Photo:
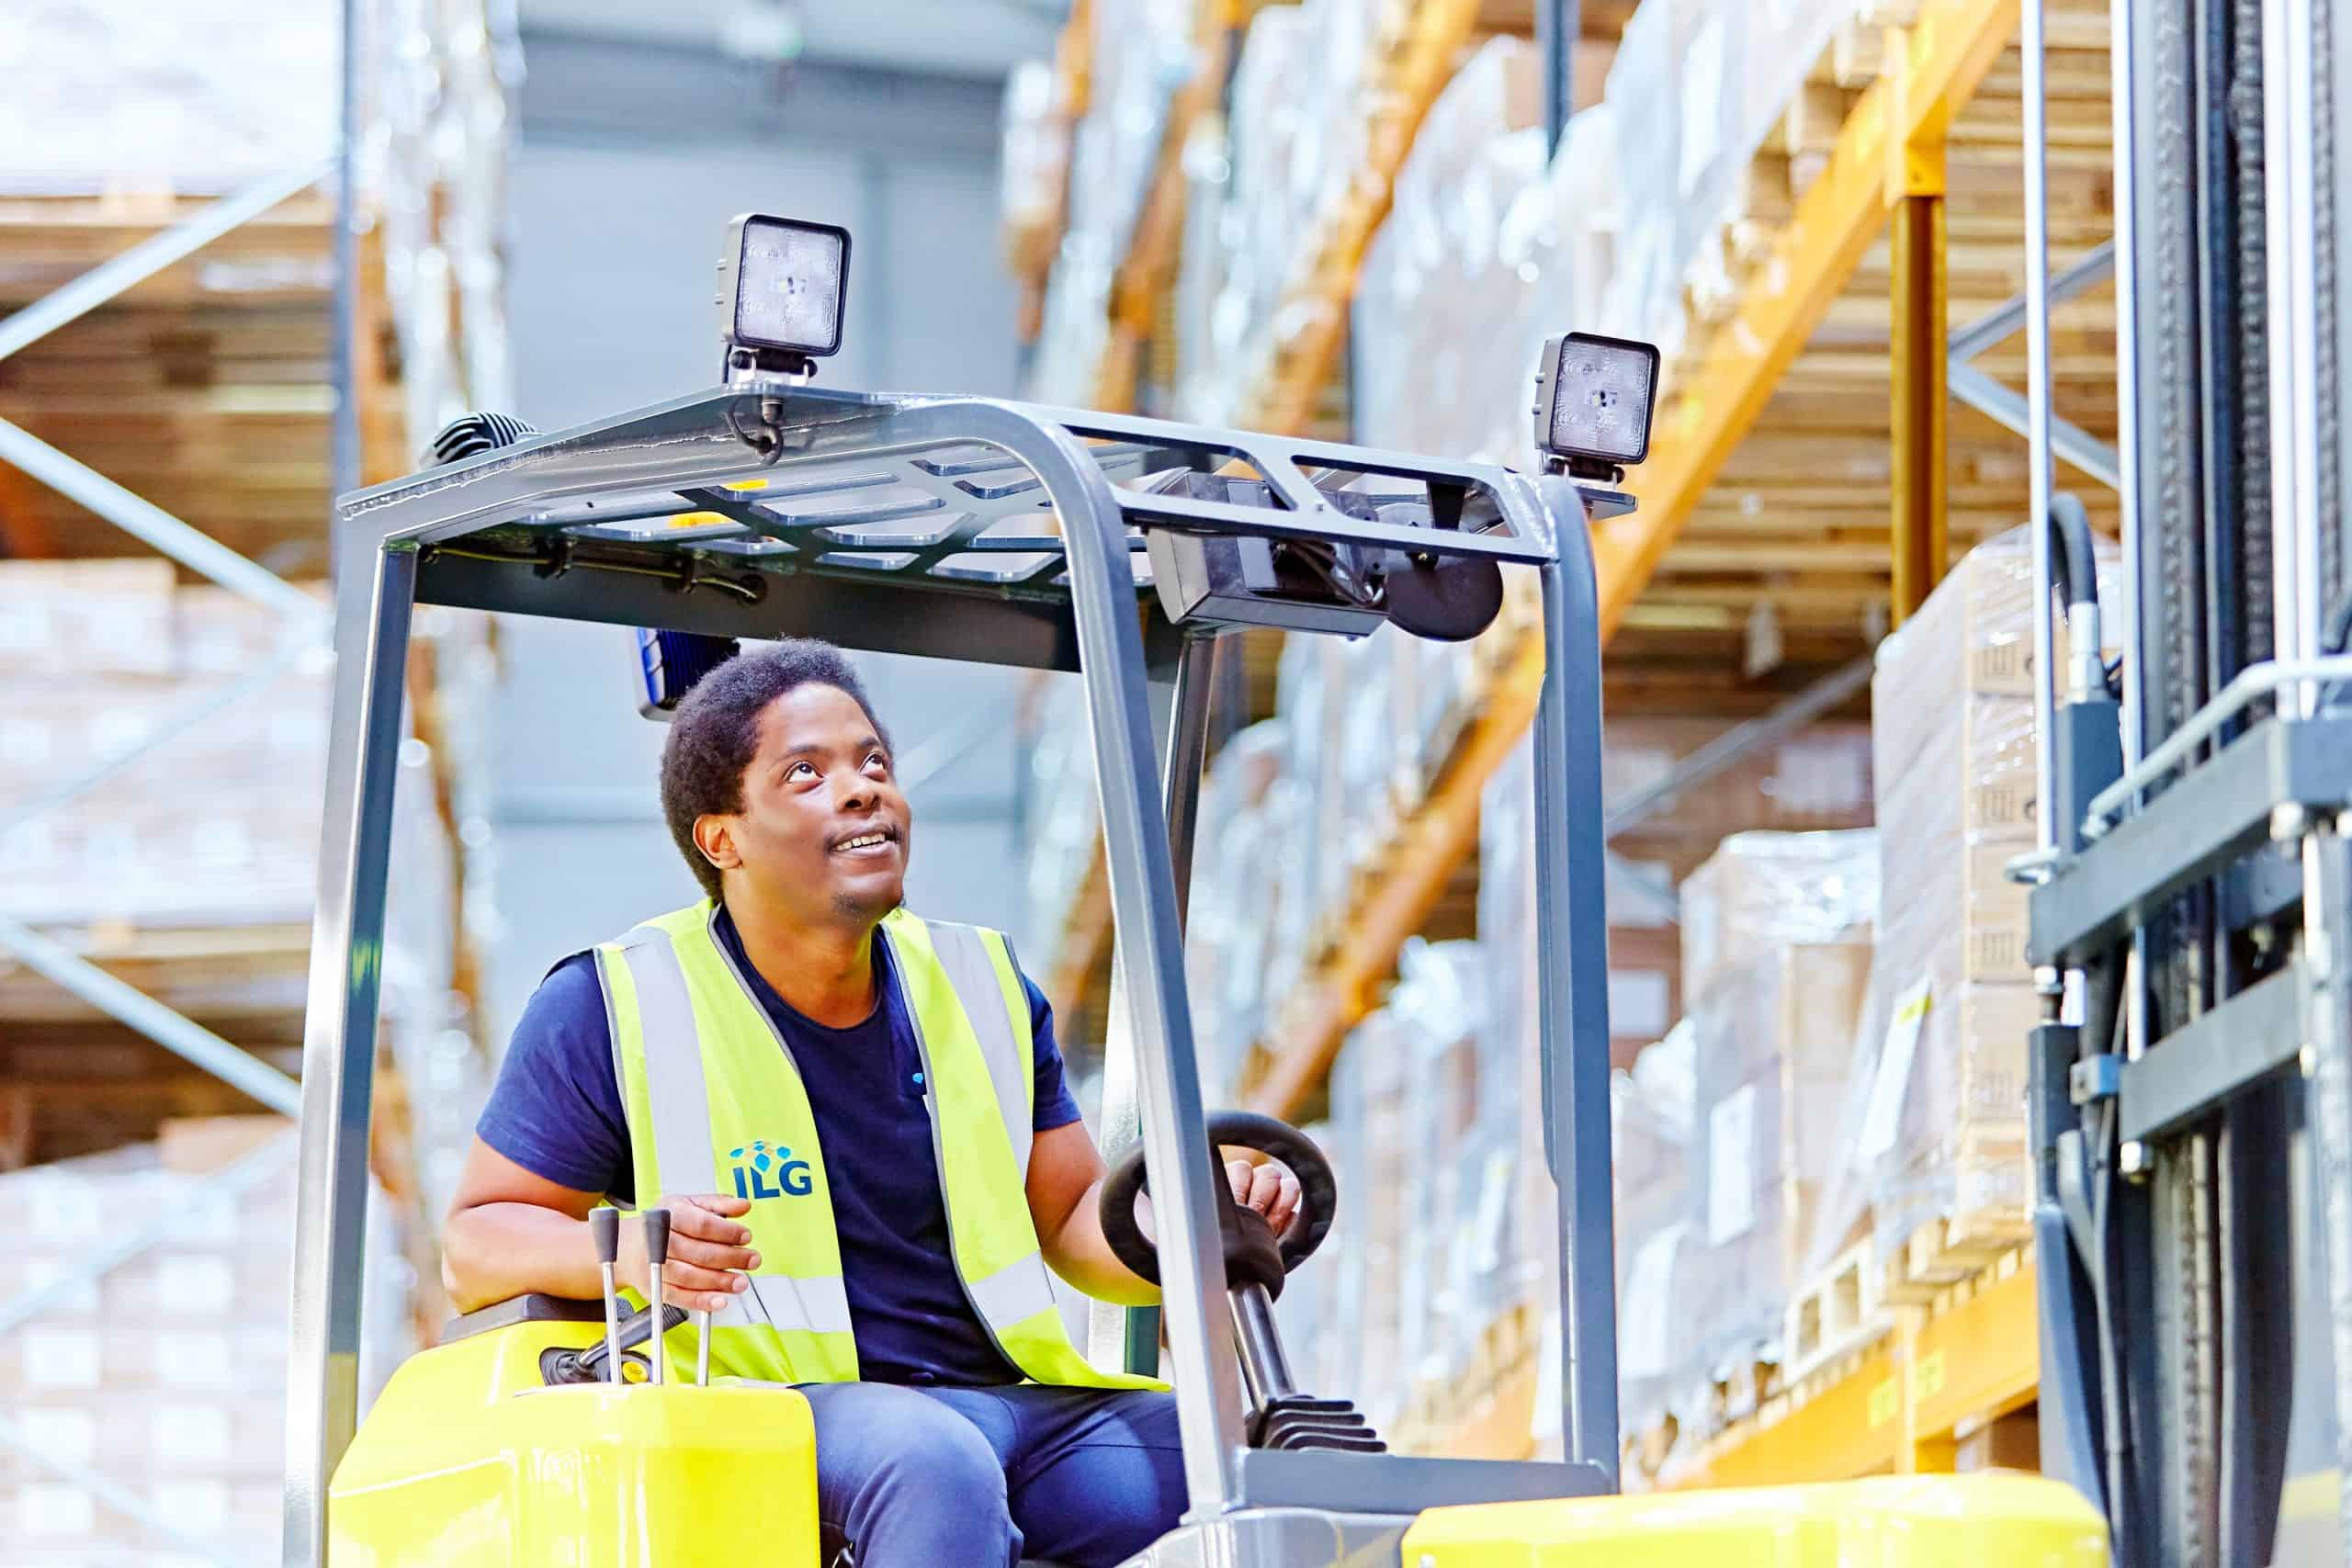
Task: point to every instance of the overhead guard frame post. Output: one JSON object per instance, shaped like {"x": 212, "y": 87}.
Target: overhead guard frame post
{"x": 1572, "y": 931}
{"x": 373, "y": 612}
{"x": 1195, "y": 686}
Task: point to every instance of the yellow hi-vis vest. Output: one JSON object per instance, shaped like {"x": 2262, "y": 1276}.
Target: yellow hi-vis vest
{"x": 715, "y": 1103}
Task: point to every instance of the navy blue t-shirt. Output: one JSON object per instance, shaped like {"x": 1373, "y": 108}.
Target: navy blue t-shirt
{"x": 556, "y": 1111}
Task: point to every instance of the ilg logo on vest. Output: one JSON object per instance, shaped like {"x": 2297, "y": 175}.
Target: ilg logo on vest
{"x": 769, "y": 1173}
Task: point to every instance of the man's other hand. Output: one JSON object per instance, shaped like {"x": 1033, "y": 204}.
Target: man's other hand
{"x": 1269, "y": 1189}
{"x": 708, "y": 1251}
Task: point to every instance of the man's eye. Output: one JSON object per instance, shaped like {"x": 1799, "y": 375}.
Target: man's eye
{"x": 797, "y": 768}
{"x": 879, "y": 760}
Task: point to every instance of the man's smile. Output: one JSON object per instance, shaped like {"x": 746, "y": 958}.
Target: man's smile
{"x": 872, "y": 840}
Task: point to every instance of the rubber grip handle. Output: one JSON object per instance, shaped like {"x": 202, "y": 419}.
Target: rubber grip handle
{"x": 657, "y": 1236}
{"x": 605, "y": 1226}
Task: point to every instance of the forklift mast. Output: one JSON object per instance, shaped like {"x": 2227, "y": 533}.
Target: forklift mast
{"x": 2192, "y": 1112}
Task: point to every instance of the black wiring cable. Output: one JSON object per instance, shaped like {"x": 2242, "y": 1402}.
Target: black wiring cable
{"x": 675, "y": 579}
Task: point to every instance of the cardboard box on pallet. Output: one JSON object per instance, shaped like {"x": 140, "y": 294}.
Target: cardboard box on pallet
{"x": 1761, "y": 892}
{"x": 1935, "y": 1105}
{"x": 1772, "y": 1041}
{"x": 1371, "y": 1122}
{"x": 76, "y": 620}
{"x": 166, "y": 1374}
{"x": 1440, "y": 298}
{"x": 1817, "y": 780}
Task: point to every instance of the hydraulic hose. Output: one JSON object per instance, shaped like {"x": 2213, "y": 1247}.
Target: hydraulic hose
{"x": 2074, "y": 566}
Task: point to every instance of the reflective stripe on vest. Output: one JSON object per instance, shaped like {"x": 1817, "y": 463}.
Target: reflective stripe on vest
{"x": 715, "y": 1103}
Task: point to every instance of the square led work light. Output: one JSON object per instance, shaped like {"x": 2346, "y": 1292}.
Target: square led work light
{"x": 782, "y": 284}
{"x": 1594, "y": 397}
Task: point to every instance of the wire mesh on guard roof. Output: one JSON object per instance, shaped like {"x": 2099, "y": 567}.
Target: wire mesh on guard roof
{"x": 962, "y": 516}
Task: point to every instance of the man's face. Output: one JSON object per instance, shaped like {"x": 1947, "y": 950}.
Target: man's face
{"x": 823, "y": 829}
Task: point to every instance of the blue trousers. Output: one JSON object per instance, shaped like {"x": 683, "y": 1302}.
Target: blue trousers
{"x": 921, "y": 1477}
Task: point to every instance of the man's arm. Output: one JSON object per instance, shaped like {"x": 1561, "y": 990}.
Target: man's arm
{"x": 511, "y": 1233}
{"x": 1066, "y": 1177}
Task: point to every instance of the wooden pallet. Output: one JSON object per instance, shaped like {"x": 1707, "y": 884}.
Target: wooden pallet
{"x": 1944, "y": 1253}
{"x": 1484, "y": 1410}
{"x": 205, "y": 389}
{"x": 1796, "y": 516}
{"x": 1837, "y": 1315}
{"x": 1741, "y": 1390}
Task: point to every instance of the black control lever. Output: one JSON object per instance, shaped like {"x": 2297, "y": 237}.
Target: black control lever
{"x": 1255, "y": 1264}
{"x": 558, "y": 1365}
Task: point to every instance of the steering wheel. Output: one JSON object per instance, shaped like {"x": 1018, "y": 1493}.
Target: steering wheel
{"x": 1253, "y": 1253}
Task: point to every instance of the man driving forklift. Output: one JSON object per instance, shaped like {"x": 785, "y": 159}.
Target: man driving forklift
{"x": 867, "y": 1148}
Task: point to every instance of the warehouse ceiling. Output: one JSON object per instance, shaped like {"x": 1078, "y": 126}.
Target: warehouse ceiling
{"x": 957, "y": 38}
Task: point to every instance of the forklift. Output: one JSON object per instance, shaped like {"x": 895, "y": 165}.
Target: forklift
{"x": 1126, "y": 551}
{"x": 2190, "y": 1090}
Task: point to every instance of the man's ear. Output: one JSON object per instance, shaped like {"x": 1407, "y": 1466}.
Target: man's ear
{"x": 715, "y": 837}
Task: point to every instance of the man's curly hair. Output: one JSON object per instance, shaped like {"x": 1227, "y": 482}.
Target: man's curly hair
{"x": 716, "y": 730}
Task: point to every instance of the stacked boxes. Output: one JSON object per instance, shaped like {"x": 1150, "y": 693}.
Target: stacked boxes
{"x": 1938, "y": 1105}
{"x": 166, "y": 1375}
{"x": 99, "y": 657}
{"x": 1776, "y": 959}
{"x": 1235, "y": 897}
{"x": 1441, "y": 289}
{"x": 1650, "y": 1144}
{"x": 1697, "y": 86}
{"x": 1726, "y": 1133}
{"x": 1034, "y": 174}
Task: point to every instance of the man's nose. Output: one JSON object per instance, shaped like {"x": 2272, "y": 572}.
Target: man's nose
{"x": 856, "y": 794}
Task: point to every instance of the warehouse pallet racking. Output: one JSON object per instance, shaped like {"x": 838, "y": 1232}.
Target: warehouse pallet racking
{"x": 1768, "y": 491}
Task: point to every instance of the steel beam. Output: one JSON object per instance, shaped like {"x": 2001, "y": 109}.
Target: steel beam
{"x": 1948, "y": 48}
{"x": 2067, "y": 440}
{"x": 145, "y": 521}
{"x": 1919, "y": 529}
{"x": 2015, "y": 313}
{"x": 153, "y": 255}
{"x": 2216, "y": 813}
{"x": 2032, "y": 307}
{"x": 227, "y": 1062}
{"x": 1625, "y": 814}
{"x": 1557, "y": 25}
{"x": 2219, "y": 1054}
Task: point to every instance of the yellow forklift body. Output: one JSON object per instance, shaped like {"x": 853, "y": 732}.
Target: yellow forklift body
{"x": 1922, "y": 1521}
{"x": 467, "y": 1460}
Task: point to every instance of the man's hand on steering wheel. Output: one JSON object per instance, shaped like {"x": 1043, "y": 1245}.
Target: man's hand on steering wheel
{"x": 1268, "y": 1188}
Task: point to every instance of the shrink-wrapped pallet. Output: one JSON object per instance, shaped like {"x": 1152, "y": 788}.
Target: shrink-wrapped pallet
{"x": 1698, "y": 87}
{"x": 1935, "y": 1118}
{"x": 1818, "y": 779}
{"x": 1372, "y": 1121}
{"x": 1657, "y": 1253}
{"x": 165, "y": 1373}
{"x": 1142, "y": 53}
{"x": 1761, "y": 892}
{"x": 1237, "y": 901}
{"x": 1067, "y": 826}
{"x": 1438, "y": 306}
{"x": 1033, "y": 166}
{"x": 1244, "y": 229}
{"x": 1772, "y": 1038}
{"x": 1464, "y": 1091}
